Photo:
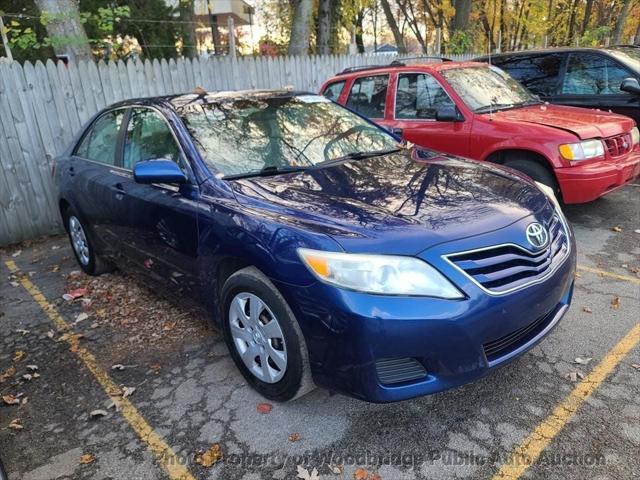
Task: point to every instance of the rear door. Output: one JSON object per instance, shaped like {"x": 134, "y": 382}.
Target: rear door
{"x": 369, "y": 96}
{"x": 93, "y": 171}
{"x": 157, "y": 223}
{"x": 593, "y": 80}
{"x": 418, "y": 97}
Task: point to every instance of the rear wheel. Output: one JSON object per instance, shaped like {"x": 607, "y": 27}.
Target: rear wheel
{"x": 83, "y": 248}
{"x": 537, "y": 172}
{"x": 263, "y": 336}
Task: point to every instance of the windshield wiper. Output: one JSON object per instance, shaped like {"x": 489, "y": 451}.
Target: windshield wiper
{"x": 266, "y": 172}
{"x": 357, "y": 156}
{"x": 506, "y": 106}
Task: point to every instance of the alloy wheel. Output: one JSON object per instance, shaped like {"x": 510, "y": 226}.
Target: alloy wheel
{"x": 79, "y": 240}
{"x": 257, "y": 337}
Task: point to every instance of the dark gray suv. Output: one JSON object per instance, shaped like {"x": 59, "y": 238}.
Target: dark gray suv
{"x": 604, "y": 78}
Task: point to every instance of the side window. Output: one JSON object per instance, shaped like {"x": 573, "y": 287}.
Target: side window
{"x": 368, "y": 96}
{"x": 148, "y": 137}
{"x": 333, "y": 91}
{"x": 419, "y": 96}
{"x": 101, "y": 141}
{"x": 593, "y": 74}
{"x": 538, "y": 73}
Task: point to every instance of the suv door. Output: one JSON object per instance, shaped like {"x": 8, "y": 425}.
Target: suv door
{"x": 93, "y": 174}
{"x": 368, "y": 96}
{"x": 157, "y": 223}
{"x": 593, "y": 80}
{"x": 419, "y": 96}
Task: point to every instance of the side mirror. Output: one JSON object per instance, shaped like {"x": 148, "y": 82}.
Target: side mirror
{"x": 630, "y": 85}
{"x": 158, "y": 171}
{"x": 448, "y": 113}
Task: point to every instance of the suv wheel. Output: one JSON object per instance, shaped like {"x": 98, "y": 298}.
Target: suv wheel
{"x": 263, "y": 336}
{"x": 537, "y": 172}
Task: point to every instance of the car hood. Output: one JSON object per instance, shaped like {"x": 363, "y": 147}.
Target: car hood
{"x": 582, "y": 122}
{"x": 402, "y": 203}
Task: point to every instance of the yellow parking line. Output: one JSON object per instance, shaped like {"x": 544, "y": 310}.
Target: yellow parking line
{"x": 604, "y": 273}
{"x": 154, "y": 442}
{"x": 525, "y": 454}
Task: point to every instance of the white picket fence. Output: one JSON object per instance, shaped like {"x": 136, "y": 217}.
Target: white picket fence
{"x": 43, "y": 106}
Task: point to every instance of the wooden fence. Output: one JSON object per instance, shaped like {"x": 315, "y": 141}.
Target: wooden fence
{"x": 43, "y": 106}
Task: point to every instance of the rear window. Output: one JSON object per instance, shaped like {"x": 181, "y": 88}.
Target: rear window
{"x": 100, "y": 142}
{"x": 333, "y": 90}
{"x": 539, "y": 73}
{"x": 368, "y": 95}
{"x": 593, "y": 74}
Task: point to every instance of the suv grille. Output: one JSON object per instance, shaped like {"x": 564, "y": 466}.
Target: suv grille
{"x": 618, "y": 145}
{"x": 505, "y": 268}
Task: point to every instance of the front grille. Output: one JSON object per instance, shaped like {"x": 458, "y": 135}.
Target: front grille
{"x": 502, "y": 346}
{"x": 398, "y": 370}
{"x": 505, "y": 268}
{"x": 618, "y": 145}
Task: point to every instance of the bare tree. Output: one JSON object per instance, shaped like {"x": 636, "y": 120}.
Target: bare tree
{"x": 622, "y": 18}
{"x": 300, "y": 27}
{"x": 62, "y": 21}
{"x": 323, "y": 27}
{"x": 393, "y": 25}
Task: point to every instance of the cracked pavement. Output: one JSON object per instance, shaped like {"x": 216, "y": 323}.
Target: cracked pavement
{"x": 191, "y": 394}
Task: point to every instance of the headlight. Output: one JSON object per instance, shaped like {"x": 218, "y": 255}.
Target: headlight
{"x": 380, "y": 274}
{"x": 548, "y": 191}
{"x": 582, "y": 150}
{"x": 635, "y": 136}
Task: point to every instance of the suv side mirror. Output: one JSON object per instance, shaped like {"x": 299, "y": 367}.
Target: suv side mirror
{"x": 158, "y": 171}
{"x": 448, "y": 113}
{"x": 630, "y": 85}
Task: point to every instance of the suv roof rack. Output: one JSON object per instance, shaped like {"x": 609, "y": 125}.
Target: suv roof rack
{"x": 395, "y": 63}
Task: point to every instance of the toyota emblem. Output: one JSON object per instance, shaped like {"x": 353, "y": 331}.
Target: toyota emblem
{"x": 537, "y": 235}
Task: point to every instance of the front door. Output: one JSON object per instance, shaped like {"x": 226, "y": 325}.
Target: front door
{"x": 419, "y": 96}
{"x": 156, "y": 223}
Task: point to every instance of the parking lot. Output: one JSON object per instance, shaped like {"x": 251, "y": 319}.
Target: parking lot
{"x": 163, "y": 389}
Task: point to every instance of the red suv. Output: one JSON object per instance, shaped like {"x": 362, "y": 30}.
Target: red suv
{"x": 478, "y": 111}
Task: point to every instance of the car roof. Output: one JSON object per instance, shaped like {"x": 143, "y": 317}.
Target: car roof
{"x": 537, "y": 51}
{"x": 400, "y": 65}
{"x": 203, "y": 97}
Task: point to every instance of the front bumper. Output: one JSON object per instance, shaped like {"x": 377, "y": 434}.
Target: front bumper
{"x": 348, "y": 333}
{"x": 586, "y": 182}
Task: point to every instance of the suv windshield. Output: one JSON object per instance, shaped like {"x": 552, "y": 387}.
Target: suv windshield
{"x": 270, "y": 135}
{"x": 485, "y": 89}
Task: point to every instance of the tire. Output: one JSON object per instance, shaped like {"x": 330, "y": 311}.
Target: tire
{"x": 82, "y": 245}
{"x": 537, "y": 172}
{"x": 279, "y": 347}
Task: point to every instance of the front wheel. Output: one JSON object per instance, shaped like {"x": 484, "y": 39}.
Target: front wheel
{"x": 83, "y": 248}
{"x": 263, "y": 337}
{"x": 537, "y": 172}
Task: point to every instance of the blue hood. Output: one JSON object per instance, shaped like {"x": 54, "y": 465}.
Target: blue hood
{"x": 402, "y": 203}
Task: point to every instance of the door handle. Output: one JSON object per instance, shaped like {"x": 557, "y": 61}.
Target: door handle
{"x": 72, "y": 171}
{"x": 119, "y": 188}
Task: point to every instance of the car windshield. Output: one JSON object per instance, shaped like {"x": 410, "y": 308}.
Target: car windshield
{"x": 266, "y": 135}
{"x": 486, "y": 89}
{"x": 628, "y": 55}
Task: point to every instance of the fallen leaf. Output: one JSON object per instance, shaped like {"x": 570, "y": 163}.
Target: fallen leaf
{"x": 55, "y": 268}
{"x": 587, "y": 310}
{"x": 36, "y": 375}
{"x": 33, "y": 368}
{"x": 294, "y": 437}
{"x": 87, "y": 458}
{"x": 582, "y": 361}
{"x": 14, "y": 284}
{"x": 636, "y": 366}
{"x": 50, "y": 334}
{"x": 209, "y": 457}
{"x": 155, "y": 367}
{"x": 7, "y": 374}
{"x": 574, "y": 376}
{"x": 73, "y": 294}
{"x": 16, "y": 424}
{"x": 336, "y": 469}
{"x": 127, "y": 391}
{"x": 148, "y": 263}
{"x": 264, "y": 408}
{"x": 55, "y": 247}
{"x": 27, "y": 377}
{"x": 616, "y": 229}
{"x": 615, "y": 302}
{"x": 304, "y": 474}
{"x": 10, "y": 399}
{"x": 361, "y": 474}
{"x": 375, "y": 476}
{"x": 25, "y": 400}
{"x": 81, "y": 317}
{"x": 22, "y": 331}
{"x": 97, "y": 413}
{"x": 16, "y": 253}
{"x": 117, "y": 366}
{"x": 19, "y": 355}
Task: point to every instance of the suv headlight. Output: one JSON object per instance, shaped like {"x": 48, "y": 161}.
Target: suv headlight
{"x": 379, "y": 274}
{"x": 582, "y": 150}
{"x": 635, "y": 136}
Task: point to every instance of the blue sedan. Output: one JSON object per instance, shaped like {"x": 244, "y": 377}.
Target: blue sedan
{"x": 328, "y": 253}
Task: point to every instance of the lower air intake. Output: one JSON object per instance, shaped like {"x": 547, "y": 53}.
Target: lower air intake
{"x": 399, "y": 370}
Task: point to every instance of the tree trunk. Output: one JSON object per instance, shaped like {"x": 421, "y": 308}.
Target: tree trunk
{"x": 393, "y": 25}
{"x": 323, "y": 27}
{"x": 300, "y": 27}
{"x": 463, "y": 11}
{"x": 359, "y": 31}
{"x": 587, "y": 16}
{"x": 64, "y": 28}
{"x": 622, "y": 17}
{"x": 188, "y": 29}
{"x": 636, "y": 40}
{"x": 503, "y": 37}
{"x": 572, "y": 22}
